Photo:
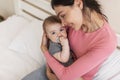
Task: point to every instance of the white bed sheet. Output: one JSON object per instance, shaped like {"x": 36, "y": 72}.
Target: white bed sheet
{"x": 110, "y": 69}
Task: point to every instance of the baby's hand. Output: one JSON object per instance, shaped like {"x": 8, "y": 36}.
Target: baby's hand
{"x": 63, "y": 41}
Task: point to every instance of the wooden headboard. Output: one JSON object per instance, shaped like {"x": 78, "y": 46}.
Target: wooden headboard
{"x": 33, "y": 9}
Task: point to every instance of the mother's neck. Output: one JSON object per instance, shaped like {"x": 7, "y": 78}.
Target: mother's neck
{"x": 92, "y": 21}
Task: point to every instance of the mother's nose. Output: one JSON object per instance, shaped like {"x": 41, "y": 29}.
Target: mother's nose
{"x": 63, "y": 22}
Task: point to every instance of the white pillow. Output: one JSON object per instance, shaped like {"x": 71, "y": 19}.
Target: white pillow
{"x": 10, "y": 28}
{"x": 28, "y": 42}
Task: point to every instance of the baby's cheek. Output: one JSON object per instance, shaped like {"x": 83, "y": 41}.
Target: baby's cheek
{"x": 53, "y": 39}
{"x": 65, "y": 35}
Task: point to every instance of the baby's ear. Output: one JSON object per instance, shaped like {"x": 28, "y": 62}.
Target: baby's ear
{"x": 47, "y": 35}
{"x": 78, "y": 3}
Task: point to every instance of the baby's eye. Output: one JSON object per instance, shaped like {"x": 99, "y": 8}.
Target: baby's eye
{"x": 62, "y": 29}
{"x": 53, "y": 33}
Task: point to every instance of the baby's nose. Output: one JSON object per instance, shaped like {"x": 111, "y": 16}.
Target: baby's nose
{"x": 59, "y": 34}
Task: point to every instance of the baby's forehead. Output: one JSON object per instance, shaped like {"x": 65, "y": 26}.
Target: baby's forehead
{"x": 54, "y": 27}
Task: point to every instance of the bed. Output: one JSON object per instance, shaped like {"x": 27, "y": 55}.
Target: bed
{"x": 20, "y": 38}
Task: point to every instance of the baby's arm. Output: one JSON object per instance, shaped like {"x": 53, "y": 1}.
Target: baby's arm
{"x": 63, "y": 56}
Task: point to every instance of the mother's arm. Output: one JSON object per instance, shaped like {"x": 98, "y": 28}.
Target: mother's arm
{"x": 50, "y": 74}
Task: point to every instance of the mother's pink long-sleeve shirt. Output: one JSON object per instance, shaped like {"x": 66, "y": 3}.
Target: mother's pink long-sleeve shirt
{"x": 91, "y": 49}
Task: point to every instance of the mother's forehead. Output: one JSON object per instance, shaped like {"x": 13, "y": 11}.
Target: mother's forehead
{"x": 59, "y": 9}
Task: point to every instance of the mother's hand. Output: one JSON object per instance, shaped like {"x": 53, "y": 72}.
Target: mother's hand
{"x": 50, "y": 75}
{"x": 44, "y": 43}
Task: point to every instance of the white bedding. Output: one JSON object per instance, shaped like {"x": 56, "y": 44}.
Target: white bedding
{"x": 110, "y": 69}
{"x": 20, "y": 51}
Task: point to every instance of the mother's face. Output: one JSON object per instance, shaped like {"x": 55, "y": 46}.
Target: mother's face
{"x": 70, "y": 15}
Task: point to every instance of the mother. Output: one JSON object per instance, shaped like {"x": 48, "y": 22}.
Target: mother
{"x": 90, "y": 36}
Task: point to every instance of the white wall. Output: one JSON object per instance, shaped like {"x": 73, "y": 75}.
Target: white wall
{"x": 112, "y": 11}
{"x": 6, "y": 7}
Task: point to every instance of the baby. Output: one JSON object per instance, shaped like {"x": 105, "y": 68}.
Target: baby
{"x": 58, "y": 43}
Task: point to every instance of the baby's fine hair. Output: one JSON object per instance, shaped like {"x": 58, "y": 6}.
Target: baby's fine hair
{"x": 50, "y": 20}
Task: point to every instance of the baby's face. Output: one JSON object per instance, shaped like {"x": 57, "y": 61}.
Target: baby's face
{"x": 55, "y": 31}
